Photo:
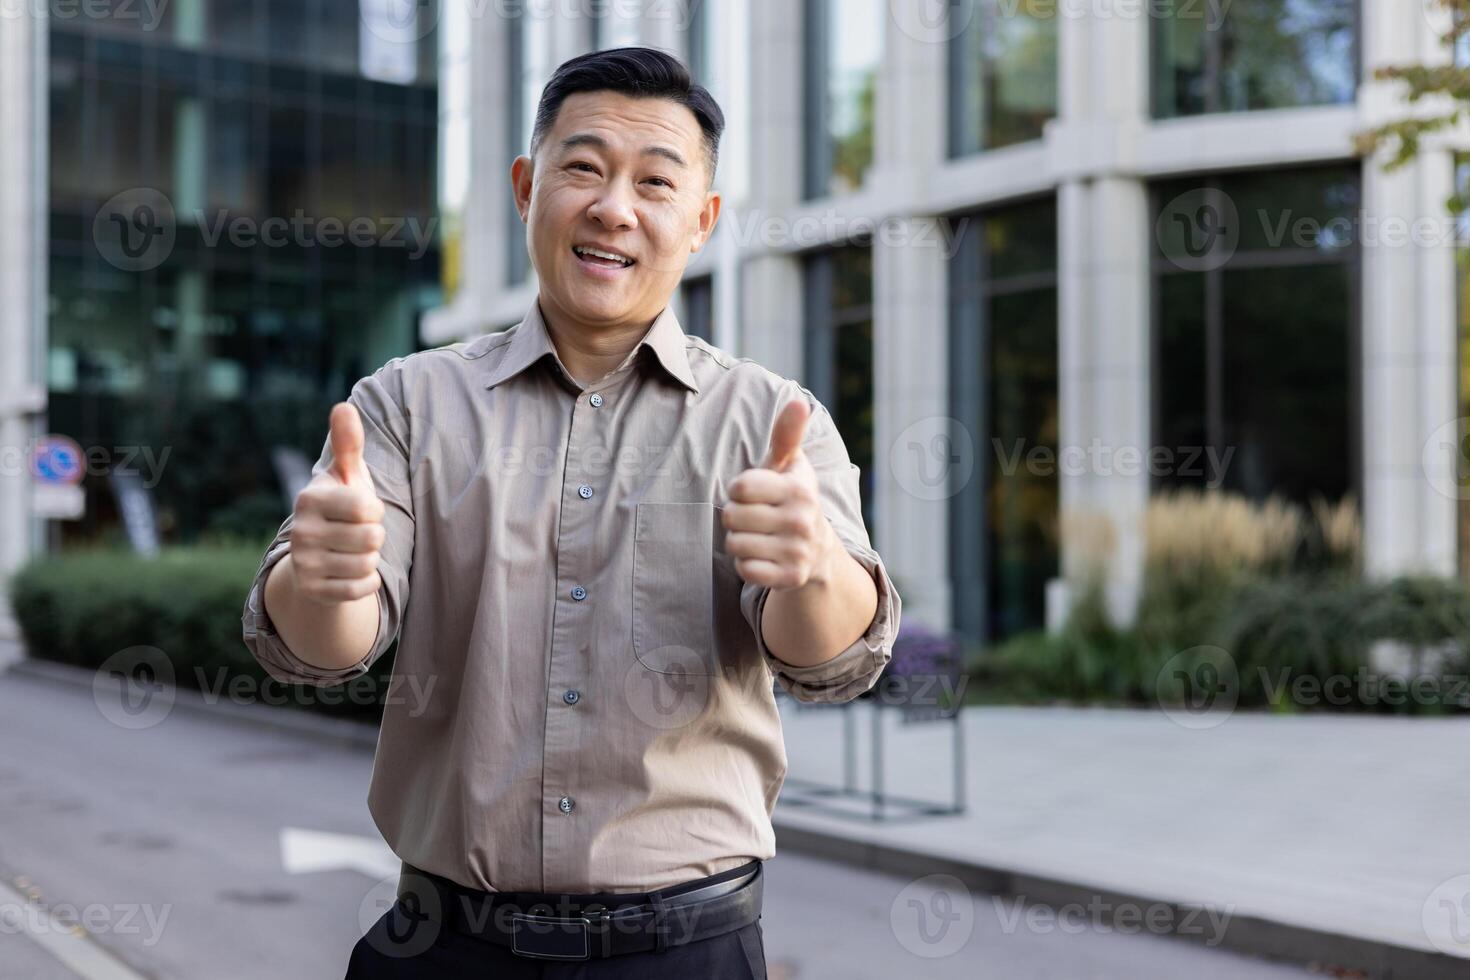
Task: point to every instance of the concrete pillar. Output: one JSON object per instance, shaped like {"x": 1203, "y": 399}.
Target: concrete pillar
{"x": 772, "y": 321}
{"x": 1103, "y": 298}
{"x": 911, "y": 333}
{"x": 22, "y": 283}
{"x": 1410, "y": 412}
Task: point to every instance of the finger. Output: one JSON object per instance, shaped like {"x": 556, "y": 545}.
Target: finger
{"x": 348, "y": 504}
{"x": 343, "y": 589}
{"x": 336, "y": 564}
{"x": 757, "y": 518}
{"x": 787, "y": 434}
{"x": 347, "y": 441}
{"x": 759, "y": 571}
{"x": 760, "y": 486}
{"x": 768, "y": 547}
{"x": 351, "y": 538}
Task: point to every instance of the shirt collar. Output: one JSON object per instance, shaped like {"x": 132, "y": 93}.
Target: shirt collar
{"x": 531, "y": 341}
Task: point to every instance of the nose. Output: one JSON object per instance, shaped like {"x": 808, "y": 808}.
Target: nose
{"x": 613, "y": 208}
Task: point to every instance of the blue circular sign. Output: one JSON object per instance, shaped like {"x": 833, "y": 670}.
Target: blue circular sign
{"x": 57, "y": 460}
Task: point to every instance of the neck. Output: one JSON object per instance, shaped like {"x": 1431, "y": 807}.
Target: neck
{"x": 588, "y": 351}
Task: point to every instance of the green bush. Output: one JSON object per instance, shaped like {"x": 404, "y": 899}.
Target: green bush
{"x": 81, "y": 607}
{"x": 1280, "y": 632}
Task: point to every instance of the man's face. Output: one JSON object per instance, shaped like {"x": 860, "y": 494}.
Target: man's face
{"x": 621, "y": 175}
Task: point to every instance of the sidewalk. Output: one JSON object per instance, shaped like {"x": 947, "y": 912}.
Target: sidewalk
{"x": 1326, "y": 837}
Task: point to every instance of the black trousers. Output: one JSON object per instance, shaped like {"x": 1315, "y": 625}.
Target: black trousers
{"x": 402, "y": 947}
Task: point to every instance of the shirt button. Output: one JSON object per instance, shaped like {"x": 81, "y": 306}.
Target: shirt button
{"x": 566, "y": 804}
{"x": 579, "y": 593}
{"x": 596, "y": 400}
{"x": 571, "y": 697}
{"x": 585, "y": 491}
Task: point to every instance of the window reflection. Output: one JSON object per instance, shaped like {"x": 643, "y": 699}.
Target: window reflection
{"x": 1003, "y": 74}
{"x": 844, "y": 48}
{"x": 698, "y": 319}
{"x": 1003, "y": 385}
{"x": 1255, "y": 352}
{"x": 839, "y": 351}
{"x": 1264, "y": 54}
{"x": 225, "y": 342}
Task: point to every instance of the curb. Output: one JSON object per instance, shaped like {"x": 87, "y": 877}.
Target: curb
{"x": 1247, "y": 935}
{"x": 353, "y": 734}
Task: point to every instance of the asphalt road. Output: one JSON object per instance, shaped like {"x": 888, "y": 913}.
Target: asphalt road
{"x": 166, "y": 841}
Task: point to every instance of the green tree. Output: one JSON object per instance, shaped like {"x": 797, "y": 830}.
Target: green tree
{"x": 1444, "y": 91}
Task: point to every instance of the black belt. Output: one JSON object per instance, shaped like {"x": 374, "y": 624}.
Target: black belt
{"x": 578, "y": 927}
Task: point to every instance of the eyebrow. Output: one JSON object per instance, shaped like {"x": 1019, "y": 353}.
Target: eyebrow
{"x": 592, "y": 139}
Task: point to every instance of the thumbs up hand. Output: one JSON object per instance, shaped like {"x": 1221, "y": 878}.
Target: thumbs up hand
{"x": 774, "y": 522}
{"x": 337, "y": 526}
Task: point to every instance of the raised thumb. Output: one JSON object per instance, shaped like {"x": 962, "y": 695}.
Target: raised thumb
{"x": 347, "y": 440}
{"x": 787, "y": 434}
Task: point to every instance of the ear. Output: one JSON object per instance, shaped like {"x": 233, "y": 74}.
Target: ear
{"x": 522, "y": 172}
{"x": 709, "y": 216}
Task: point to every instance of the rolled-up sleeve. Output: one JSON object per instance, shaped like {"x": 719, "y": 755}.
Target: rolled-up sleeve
{"x": 386, "y": 454}
{"x": 857, "y": 668}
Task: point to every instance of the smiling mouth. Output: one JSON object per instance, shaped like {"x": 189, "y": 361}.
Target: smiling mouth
{"x": 602, "y": 259}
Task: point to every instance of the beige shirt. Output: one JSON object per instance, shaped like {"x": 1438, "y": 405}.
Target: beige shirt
{"x": 581, "y": 699}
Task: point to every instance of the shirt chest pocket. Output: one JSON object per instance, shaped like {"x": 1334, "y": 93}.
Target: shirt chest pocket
{"x": 674, "y": 585}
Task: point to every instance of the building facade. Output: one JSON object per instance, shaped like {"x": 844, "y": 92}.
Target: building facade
{"x": 1041, "y": 261}
{"x": 221, "y": 214}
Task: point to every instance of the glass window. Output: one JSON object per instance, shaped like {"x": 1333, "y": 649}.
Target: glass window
{"x": 844, "y": 48}
{"x": 528, "y": 41}
{"x": 839, "y": 351}
{"x": 225, "y": 342}
{"x": 454, "y": 142}
{"x": 1256, "y": 338}
{"x": 68, "y": 168}
{"x": 1266, "y": 54}
{"x": 701, "y": 43}
{"x": 1002, "y": 74}
{"x": 613, "y": 25}
{"x": 698, "y": 319}
{"x": 1462, "y": 269}
{"x": 1003, "y": 392}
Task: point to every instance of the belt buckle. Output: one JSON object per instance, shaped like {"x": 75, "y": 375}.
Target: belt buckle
{"x": 545, "y": 936}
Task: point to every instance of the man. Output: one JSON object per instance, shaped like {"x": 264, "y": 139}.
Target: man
{"x": 600, "y": 539}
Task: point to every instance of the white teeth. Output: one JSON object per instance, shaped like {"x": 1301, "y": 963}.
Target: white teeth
{"x": 611, "y": 256}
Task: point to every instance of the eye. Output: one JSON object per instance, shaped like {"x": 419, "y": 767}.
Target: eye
{"x": 659, "y": 181}
{"x": 587, "y": 167}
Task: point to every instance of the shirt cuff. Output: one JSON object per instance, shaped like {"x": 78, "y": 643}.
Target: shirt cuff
{"x": 857, "y": 668}
{"x": 272, "y": 653}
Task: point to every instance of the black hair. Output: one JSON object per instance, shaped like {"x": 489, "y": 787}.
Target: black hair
{"x": 637, "y": 71}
